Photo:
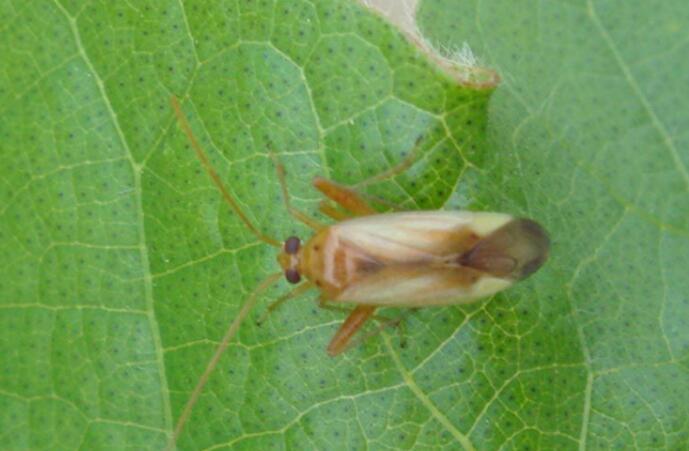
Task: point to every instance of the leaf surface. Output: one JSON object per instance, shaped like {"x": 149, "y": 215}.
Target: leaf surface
{"x": 122, "y": 266}
{"x": 588, "y": 132}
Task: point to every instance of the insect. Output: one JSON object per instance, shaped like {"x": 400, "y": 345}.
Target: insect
{"x": 371, "y": 260}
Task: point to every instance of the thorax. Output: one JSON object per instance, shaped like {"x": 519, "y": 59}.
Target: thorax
{"x": 332, "y": 262}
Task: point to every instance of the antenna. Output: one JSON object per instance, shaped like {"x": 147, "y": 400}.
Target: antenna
{"x": 184, "y": 124}
{"x": 229, "y": 334}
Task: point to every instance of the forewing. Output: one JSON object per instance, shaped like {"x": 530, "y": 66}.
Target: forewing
{"x": 416, "y": 286}
{"x": 436, "y": 258}
{"x": 398, "y": 238}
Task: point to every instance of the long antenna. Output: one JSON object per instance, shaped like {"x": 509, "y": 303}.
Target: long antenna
{"x": 184, "y": 124}
{"x": 229, "y": 334}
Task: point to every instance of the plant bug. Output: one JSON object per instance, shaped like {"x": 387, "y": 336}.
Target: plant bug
{"x": 371, "y": 260}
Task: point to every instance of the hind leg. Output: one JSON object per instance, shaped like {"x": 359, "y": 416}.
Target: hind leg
{"x": 342, "y": 340}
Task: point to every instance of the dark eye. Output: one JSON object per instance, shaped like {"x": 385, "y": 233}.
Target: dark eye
{"x": 292, "y": 245}
{"x": 292, "y": 275}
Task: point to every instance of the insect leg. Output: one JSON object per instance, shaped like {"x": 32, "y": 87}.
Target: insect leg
{"x": 296, "y": 213}
{"x": 229, "y": 334}
{"x": 384, "y": 322}
{"x": 348, "y": 197}
{"x": 297, "y": 291}
{"x": 337, "y": 308}
{"x": 333, "y": 212}
{"x": 390, "y": 173}
{"x": 352, "y": 324}
{"x": 351, "y": 200}
{"x": 390, "y": 322}
{"x": 344, "y": 196}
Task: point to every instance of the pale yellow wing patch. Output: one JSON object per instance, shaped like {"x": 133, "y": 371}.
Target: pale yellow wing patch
{"x": 421, "y": 287}
{"x": 412, "y": 236}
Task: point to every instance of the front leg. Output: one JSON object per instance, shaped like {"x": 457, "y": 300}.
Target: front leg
{"x": 349, "y": 199}
{"x": 344, "y": 196}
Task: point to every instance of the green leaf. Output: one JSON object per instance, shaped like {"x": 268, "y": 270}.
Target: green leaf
{"x": 589, "y": 134}
{"x": 122, "y": 267}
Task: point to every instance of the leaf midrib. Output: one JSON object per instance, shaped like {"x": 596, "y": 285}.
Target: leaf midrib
{"x": 138, "y": 194}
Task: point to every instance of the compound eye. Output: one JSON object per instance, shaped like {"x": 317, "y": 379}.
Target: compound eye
{"x": 292, "y": 245}
{"x": 292, "y": 275}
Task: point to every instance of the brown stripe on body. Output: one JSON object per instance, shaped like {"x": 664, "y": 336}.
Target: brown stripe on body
{"x": 351, "y": 263}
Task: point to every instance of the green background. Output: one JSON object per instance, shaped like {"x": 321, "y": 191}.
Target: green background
{"x": 122, "y": 267}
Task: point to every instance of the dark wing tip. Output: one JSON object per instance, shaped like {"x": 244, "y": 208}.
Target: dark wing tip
{"x": 515, "y": 250}
{"x": 538, "y": 246}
